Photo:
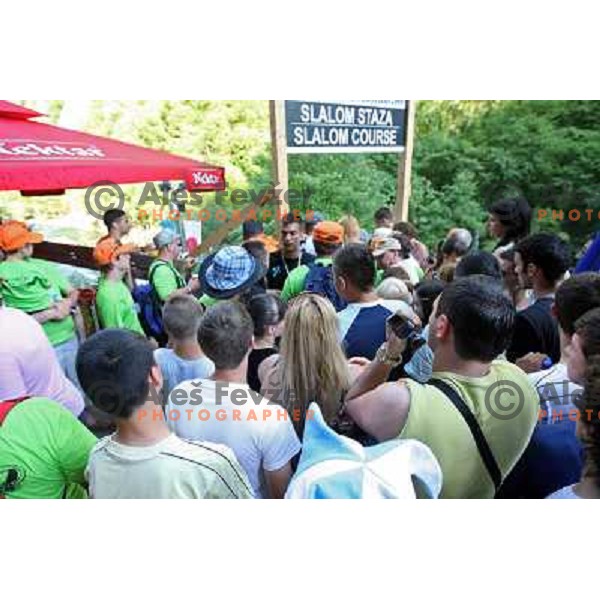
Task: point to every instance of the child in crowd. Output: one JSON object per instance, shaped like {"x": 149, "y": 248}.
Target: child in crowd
{"x": 143, "y": 459}
{"x": 183, "y": 359}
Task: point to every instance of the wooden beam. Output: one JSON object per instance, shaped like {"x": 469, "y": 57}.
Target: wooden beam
{"x": 279, "y": 152}
{"x": 405, "y": 167}
{"x": 82, "y": 256}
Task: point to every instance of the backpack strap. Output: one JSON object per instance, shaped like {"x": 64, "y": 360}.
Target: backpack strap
{"x": 482, "y": 445}
{"x": 163, "y": 263}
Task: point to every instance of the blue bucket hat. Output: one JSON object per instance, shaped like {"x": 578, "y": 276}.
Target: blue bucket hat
{"x": 333, "y": 466}
{"x": 229, "y": 272}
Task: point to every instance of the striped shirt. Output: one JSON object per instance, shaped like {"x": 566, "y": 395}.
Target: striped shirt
{"x": 173, "y": 468}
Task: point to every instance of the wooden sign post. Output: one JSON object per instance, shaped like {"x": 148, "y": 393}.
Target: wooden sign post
{"x": 403, "y": 188}
{"x": 344, "y": 126}
{"x": 279, "y": 151}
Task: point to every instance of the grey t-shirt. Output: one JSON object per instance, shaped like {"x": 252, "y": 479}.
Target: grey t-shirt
{"x": 176, "y": 370}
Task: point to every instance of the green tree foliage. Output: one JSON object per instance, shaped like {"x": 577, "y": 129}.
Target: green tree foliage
{"x": 467, "y": 154}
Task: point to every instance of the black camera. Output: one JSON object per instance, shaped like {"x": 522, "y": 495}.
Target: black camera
{"x": 405, "y": 329}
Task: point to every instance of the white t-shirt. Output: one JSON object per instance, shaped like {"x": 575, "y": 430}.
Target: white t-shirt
{"x": 556, "y": 392}
{"x": 261, "y": 434}
{"x": 171, "y": 469}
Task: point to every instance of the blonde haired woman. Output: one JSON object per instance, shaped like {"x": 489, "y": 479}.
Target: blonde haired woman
{"x": 351, "y": 229}
{"x": 311, "y": 366}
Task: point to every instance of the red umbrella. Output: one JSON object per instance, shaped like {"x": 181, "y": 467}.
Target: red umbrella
{"x": 40, "y": 159}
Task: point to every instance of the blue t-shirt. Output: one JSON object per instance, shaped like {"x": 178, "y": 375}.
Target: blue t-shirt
{"x": 362, "y": 326}
{"x": 176, "y": 370}
{"x": 553, "y": 460}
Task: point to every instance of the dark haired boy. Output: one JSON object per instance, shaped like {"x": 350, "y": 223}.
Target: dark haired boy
{"x": 143, "y": 459}
{"x": 183, "y": 359}
{"x": 554, "y": 457}
{"x": 541, "y": 261}
{"x": 290, "y": 255}
{"x": 117, "y": 224}
{"x": 260, "y": 433}
{"x": 383, "y": 218}
{"x": 363, "y": 321}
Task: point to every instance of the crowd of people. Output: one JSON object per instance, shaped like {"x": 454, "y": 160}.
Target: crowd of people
{"x": 257, "y": 372}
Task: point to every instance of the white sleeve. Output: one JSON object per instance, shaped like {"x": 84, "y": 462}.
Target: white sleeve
{"x": 279, "y": 442}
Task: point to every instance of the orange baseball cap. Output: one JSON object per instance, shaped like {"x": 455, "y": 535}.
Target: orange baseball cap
{"x": 14, "y": 235}
{"x": 328, "y": 232}
{"x": 107, "y": 250}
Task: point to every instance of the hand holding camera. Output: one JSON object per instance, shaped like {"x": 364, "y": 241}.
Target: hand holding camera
{"x": 403, "y": 331}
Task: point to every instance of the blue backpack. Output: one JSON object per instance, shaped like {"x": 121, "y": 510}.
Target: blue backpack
{"x": 320, "y": 281}
{"x": 149, "y": 306}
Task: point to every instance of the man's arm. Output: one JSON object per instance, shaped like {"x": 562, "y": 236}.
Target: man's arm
{"x": 378, "y": 407}
{"x": 278, "y": 481}
{"x": 57, "y": 312}
{"x": 382, "y": 412}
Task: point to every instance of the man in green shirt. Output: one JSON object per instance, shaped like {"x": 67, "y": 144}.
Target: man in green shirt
{"x": 44, "y": 451}
{"x": 37, "y": 288}
{"x": 114, "y": 302}
{"x": 328, "y": 237}
{"x": 164, "y": 277}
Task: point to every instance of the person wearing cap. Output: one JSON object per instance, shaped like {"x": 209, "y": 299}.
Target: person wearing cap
{"x": 118, "y": 226}
{"x": 289, "y": 255}
{"x": 166, "y": 280}
{"x": 114, "y": 302}
{"x": 389, "y": 252}
{"x": 328, "y": 237}
{"x": 229, "y": 273}
{"x": 37, "y": 288}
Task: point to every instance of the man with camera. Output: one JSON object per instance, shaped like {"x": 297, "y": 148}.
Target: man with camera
{"x": 477, "y": 414}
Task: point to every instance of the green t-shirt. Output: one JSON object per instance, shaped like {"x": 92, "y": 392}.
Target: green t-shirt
{"x": 165, "y": 278}
{"x": 434, "y": 420}
{"x": 296, "y": 280}
{"x": 33, "y": 285}
{"x": 44, "y": 451}
{"x": 116, "y": 307}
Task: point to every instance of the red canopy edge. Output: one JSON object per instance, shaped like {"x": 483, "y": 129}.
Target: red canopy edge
{"x": 36, "y": 158}
{"x": 15, "y": 111}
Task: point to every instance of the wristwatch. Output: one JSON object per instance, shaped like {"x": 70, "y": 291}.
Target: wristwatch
{"x": 384, "y": 357}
